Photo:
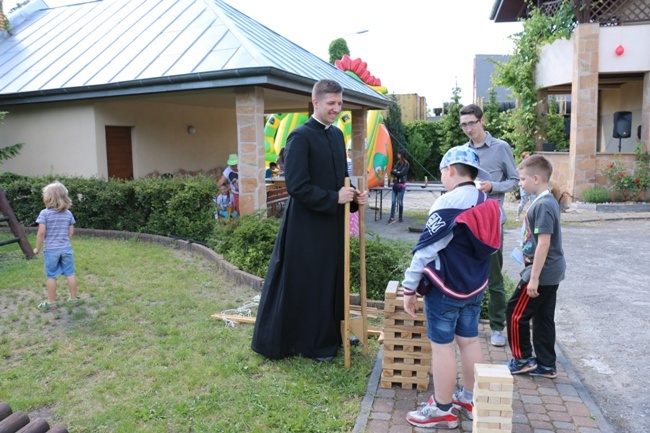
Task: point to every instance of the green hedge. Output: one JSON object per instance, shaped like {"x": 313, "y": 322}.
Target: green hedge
{"x": 180, "y": 207}
{"x": 248, "y": 242}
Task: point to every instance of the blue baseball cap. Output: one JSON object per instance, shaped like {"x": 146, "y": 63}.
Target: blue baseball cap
{"x": 464, "y": 155}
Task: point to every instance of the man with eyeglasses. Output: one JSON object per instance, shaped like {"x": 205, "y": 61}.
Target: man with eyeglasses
{"x": 496, "y": 157}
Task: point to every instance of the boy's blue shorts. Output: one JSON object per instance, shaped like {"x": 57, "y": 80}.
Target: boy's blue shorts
{"x": 448, "y": 317}
{"x": 58, "y": 263}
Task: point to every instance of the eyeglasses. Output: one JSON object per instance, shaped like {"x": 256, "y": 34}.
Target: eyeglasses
{"x": 469, "y": 124}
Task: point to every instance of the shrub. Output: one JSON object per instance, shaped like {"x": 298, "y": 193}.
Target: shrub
{"x": 179, "y": 206}
{"x": 386, "y": 260}
{"x": 595, "y": 194}
{"x": 247, "y": 242}
{"x": 629, "y": 186}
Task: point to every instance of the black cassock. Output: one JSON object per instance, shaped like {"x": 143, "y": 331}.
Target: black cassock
{"x": 301, "y": 306}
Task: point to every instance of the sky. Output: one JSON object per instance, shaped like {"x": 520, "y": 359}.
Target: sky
{"x": 425, "y": 47}
{"x": 413, "y": 46}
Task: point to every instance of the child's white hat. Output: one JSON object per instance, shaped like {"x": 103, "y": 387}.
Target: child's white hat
{"x": 464, "y": 155}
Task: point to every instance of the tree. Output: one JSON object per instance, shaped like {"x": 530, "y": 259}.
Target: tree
{"x": 494, "y": 122}
{"x": 451, "y": 134}
{"x": 555, "y": 126}
{"x": 337, "y": 49}
{"x": 430, "y": 133}
{"x": 418, "y": 151}
{"x": 9, "y": 151}
{"x": 395, "y": 126}
{"x": 518, "y": 74}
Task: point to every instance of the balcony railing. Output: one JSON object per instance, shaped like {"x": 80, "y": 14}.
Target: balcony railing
{"x": 605, "y": 12}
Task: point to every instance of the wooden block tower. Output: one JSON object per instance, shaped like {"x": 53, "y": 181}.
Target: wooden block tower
{"x": 407, "y": 350}
{"x": 493, "y": 386}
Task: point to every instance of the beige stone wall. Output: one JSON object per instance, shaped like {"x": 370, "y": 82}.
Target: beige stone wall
{"x": 562, "y": 172}
{"x": 160, "y": 139}
{"x": 584, "y": 120}
{"x": 250, "y": 136}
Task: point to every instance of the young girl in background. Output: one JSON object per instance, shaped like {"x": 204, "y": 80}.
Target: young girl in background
{"x": 225, "y": 204}
{"x": 55, "y": 228}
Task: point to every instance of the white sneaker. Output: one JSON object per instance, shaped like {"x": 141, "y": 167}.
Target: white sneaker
{"x": 429, "y": 415}
{"x": 497, "y": 339}
{"x": 464, "y": 406}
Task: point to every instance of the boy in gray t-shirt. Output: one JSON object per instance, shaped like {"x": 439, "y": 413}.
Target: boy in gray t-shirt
{"x": 543, "y": 257}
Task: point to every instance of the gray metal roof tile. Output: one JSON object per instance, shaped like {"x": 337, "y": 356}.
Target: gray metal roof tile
{"x": 95, "y": 44}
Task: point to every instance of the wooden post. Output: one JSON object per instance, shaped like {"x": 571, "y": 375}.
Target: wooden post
{"x": 362, "y": 271}
{"x": 346, "y": 281}
{"x": 14, "y": 226}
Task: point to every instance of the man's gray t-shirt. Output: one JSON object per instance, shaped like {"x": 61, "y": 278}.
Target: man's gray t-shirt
{"x": 543, "y": 217}
{"x": 56, "y": 228}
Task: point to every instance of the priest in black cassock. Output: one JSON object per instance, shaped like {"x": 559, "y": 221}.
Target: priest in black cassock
{"x": 301, "y": 307}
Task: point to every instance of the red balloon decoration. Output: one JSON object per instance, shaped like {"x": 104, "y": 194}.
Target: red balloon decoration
{"x": 620, "y": 50}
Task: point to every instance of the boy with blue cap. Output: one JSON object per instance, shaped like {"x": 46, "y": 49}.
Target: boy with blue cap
{"x": 450, "y": 267}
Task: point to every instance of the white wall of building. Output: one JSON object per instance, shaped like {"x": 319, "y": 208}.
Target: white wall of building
{"x": 58, "y": 139}
{"x": 69, "y": 138}
{"x": 556, "y": 59}
{"x": 635, "y": 40}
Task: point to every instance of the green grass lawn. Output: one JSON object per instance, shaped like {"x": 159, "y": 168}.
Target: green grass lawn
{"x": 142, "y": 354}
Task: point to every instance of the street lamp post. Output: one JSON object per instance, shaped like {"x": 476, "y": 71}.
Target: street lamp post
{"x": 360, "y": 32}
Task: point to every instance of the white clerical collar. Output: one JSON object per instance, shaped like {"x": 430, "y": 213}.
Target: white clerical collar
{"x": 326, "y": 126}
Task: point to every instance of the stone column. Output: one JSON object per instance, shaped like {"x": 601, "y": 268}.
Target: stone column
{"x": 249, "y": 106}
{"x": 584, "y": 118}
{"x": 645, "y": 113}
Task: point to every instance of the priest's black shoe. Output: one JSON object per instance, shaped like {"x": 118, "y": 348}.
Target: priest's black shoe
{"x": 323, "y": 358}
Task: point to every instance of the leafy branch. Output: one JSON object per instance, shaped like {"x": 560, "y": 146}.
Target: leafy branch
{"x": 518, "y": 74}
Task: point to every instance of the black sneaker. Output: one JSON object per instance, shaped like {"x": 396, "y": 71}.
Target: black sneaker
{"x": 542, "y": 371}
{"x": 391, "y": 221}
{"x": 519, "y": 366}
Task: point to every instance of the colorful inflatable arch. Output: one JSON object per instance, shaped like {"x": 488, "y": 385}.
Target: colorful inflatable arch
{"x": 379, "y": 151}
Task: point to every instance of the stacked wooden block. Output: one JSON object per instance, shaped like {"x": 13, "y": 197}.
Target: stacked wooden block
{"x": 493, "y": 387}
{"x": 407, "y": 350}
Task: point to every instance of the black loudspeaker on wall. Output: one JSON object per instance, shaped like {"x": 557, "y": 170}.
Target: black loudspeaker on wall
{"x": 622, "y": 124}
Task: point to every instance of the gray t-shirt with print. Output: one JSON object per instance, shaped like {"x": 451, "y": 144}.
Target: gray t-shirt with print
{"x": 543, "y": 217}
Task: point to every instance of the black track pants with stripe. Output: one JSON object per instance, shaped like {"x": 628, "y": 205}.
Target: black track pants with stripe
{"x": 520, "y": 310}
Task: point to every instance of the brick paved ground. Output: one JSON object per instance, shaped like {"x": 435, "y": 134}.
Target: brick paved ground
{"x": 540, "y": 405}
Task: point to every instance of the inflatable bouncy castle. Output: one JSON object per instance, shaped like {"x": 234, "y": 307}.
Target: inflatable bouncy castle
{"x": 379, "y": 151}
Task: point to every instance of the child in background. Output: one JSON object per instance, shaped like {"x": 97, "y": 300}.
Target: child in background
{"x": 543, "y": 258}
{"x": 225, "y": 204}
{"x": 524, "y": 198}
{"x": 272, "y": 171}
{"x": 55, "y": 228}
{"x": 230, "y": 177}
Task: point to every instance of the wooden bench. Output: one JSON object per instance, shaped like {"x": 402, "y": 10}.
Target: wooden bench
{"x": 276, "y": 200}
